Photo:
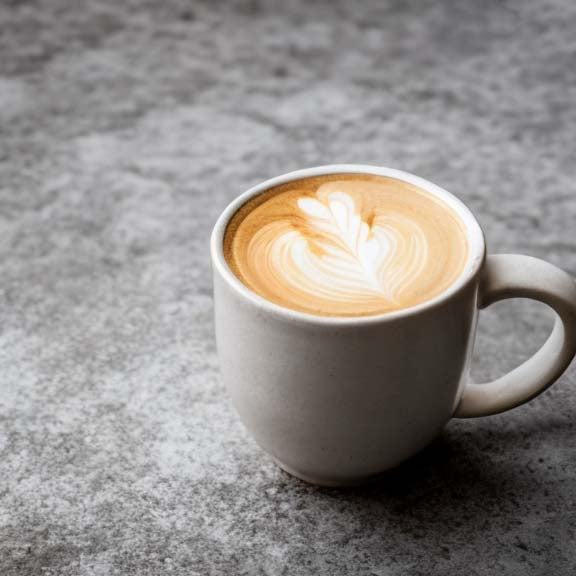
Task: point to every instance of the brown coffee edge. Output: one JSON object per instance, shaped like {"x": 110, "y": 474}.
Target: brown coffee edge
{"x": 310, "y": 185}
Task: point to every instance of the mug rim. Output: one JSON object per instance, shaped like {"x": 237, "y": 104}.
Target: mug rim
{"x": 475, "y": 237}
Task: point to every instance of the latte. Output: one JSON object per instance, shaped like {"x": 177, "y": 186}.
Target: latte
{"x": 346, "y": 245}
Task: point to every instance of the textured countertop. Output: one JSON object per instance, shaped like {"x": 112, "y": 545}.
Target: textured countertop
{"x": 125, "y": 128}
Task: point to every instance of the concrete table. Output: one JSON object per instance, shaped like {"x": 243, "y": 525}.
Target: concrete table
{"x": 125, "y": 127}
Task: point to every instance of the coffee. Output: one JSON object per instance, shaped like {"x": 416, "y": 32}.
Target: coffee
{"x": 346, "y": 245}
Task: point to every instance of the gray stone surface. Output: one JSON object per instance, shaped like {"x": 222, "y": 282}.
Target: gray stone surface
{"x": 125, "y": 127}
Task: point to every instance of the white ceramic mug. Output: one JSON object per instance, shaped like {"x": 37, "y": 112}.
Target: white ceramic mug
{"x": 336, "y": 401}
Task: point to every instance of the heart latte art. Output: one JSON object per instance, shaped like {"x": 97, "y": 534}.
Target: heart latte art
{"x": 346, "y": 245}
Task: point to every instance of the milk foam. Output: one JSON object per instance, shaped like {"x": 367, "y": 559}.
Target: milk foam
{"x": 348, "y": 261}
{"x": 340, "y": 249}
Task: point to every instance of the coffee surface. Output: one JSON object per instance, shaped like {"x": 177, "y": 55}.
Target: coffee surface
{"x": 346, "y": 245}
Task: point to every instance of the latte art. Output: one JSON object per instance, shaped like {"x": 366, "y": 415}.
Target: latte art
{"x": 347, "y": 261}
{"x": 346, "y": 245}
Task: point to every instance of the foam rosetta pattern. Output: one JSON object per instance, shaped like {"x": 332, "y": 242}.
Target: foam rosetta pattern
{"x": 343, "y": 260}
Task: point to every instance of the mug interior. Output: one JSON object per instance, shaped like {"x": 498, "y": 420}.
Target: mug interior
{"x": 475, "y": 237}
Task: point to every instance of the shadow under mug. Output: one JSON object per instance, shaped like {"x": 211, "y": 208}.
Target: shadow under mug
{"x": 337, "y": 401}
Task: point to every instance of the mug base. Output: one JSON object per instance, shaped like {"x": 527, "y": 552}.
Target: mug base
{"x": 327, "y": 482}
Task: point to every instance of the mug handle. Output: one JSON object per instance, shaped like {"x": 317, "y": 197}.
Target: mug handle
{"x": 513, "y": 276}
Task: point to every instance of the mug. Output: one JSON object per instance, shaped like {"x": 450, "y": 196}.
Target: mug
{"x": 338, "y": 400}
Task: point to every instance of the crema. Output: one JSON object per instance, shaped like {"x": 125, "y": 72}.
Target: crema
{"x": 346, "y": 245}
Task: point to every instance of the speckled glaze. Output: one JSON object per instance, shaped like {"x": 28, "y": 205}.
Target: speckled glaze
{"x": 337, "y": 401}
